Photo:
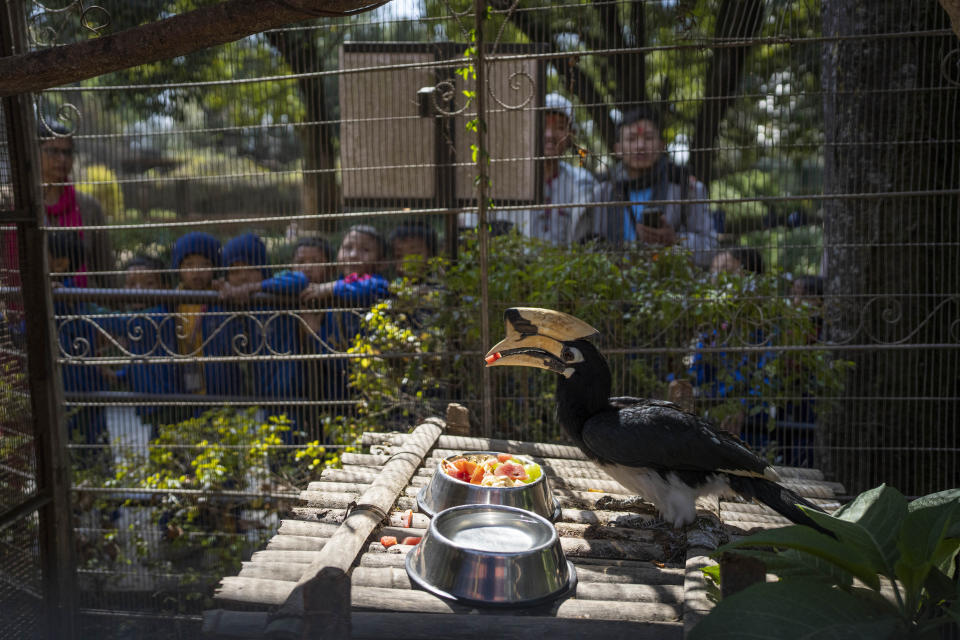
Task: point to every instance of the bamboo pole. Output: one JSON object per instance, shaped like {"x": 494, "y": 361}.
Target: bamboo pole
{"x": 696, "y": 604}
{"x": 588, "y": 569}
{"x": 463, "y": 443}
{"x": 303, "y": 528}
{"x": 421, "y": 602}
{"x": 254, "y": 591}
{"x": 380, "y": 625}
{"x": 319, "y": 514}
{"x": 275, "y": 570}
{"x": 296, "y": 543}
{"x": 587, "y": 588}
{"x": 279, "y": 555}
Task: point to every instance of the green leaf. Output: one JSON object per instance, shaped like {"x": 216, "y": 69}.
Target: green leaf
{"x": 881, "y": 512}
{"x": 939, "y": 586}
{"x": 860, "y": 538}
{"x": 796, "y": 609}
{"x": 944, "y": 556}
{"x": 954, "y": 611}
{"x": 912, "y": 575}
{"x": 797, "y": 564}
{"x": 712, "y": 572}
{"x": 936, "y": 499}
{"x": 803, "y": 538}
{"x": 922, "y": 533}
{"x": 923, "y": 529}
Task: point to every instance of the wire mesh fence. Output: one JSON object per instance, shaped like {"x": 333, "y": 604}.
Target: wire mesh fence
{"x": 261, "y": 249}
{"x": 21, "y": 574}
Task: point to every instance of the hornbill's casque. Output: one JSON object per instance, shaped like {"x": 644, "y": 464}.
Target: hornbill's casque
{"x": 653, "y": 448}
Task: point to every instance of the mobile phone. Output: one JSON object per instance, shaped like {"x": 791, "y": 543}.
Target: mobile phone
{"x": 651, "y": 218}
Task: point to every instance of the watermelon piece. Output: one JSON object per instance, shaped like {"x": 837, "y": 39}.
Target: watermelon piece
{"x": 388, "y": 541}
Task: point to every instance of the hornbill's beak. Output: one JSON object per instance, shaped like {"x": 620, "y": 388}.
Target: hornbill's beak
{"x": 535, "y": 338}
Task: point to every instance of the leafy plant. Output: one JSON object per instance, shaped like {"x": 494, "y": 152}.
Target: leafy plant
{"x": 234, "y": 462}
{"x": 890, "y": 572}
{"x": 426, "y": 340}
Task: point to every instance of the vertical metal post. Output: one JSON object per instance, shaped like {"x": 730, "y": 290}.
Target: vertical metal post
{"x": 446, "y": 154}
{"x": 480, "y": 11}
{"x": 46, "y": 390}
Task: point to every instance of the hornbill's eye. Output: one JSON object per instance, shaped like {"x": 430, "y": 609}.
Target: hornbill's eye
{"x": 571, "y": 355}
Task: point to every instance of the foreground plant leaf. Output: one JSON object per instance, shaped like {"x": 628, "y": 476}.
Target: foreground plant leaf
{"x": 880, "y": 511}
{"x": 800, "y": 609}
{"x": 805, "y": 539}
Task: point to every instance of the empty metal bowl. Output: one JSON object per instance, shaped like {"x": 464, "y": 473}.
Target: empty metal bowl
{"x": 491, "y": 555}
{"x": 444, "y": 491}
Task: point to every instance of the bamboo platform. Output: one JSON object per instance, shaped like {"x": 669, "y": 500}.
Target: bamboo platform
{"x": 325, "y": 574}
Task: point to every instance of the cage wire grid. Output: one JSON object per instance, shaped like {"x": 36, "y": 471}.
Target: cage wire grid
{"x": 226, "y": 232}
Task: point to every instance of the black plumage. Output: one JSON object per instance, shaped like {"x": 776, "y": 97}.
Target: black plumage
{"x": 665, "y": 454}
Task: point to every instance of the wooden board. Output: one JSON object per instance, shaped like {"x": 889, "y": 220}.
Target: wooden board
{"x": 637, "y": 576}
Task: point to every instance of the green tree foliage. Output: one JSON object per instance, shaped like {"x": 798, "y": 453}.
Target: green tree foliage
{"x": 889, "y": 572}
{"x": 100, "y": 183}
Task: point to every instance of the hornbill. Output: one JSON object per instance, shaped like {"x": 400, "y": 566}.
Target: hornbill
{"x": 653, "y": 448}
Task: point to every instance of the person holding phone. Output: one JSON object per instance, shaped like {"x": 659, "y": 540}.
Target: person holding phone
{"x": 654, "y": 186}
{"x": 567, "y": 186}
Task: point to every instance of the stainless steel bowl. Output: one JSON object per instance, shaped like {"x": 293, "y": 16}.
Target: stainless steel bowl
{"x": 491, "y": 555}
{"x": 444, "y": 491}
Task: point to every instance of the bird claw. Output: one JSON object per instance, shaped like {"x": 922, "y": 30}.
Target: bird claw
{"x": 635, "y": 504}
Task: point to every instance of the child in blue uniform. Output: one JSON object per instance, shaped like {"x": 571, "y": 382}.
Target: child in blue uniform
{"x": 147, "y": 331}
{"x": 79, "y": 338}
{"x": 195, "y": 256}
{"x": 270, "y": 333}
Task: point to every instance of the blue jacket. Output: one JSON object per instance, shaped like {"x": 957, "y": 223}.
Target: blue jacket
{"x": 335, "y": 334}
{"x": 279, "y": 333}
{"x": 706, "y": 369}
{"x": 78, "y": 338}
{"x": 148, "y": 333}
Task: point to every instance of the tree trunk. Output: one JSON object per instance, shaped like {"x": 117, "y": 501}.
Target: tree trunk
{"x": 736, "y": 20}
{"x": 175, "y": 36}
{"x": 319, "y": 192}
{"x": 629, "y": 69}
{"x": 891, "y": 261}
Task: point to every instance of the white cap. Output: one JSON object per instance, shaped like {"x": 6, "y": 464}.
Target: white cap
{"x": 557, "y": 103}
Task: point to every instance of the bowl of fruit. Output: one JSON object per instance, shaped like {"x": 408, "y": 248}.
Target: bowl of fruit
{"x": 491, "y": 555}
{"x": 488, "y": 477}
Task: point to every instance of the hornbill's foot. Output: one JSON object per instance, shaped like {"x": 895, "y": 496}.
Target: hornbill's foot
{"x": 635, "y": 504}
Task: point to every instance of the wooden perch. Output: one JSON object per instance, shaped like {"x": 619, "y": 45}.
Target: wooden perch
{"x": 161, "y": 40}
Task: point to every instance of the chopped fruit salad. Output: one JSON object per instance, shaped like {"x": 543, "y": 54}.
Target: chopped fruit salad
{"x": 492, "y": 470}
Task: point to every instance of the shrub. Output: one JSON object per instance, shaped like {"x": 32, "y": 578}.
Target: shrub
{"x": 422, "y": 348}
{"x": 229, "y": 456}
{"x": 100, "y": 182}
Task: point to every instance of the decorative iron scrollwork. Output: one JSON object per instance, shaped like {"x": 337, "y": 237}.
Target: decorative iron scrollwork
{"x": 67, "y": 115}
{"x": 48, "y": 24}
{"x": 950, "y": 67}
{"x": 142, "y": 336}
{"x": 516, "y": 85}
